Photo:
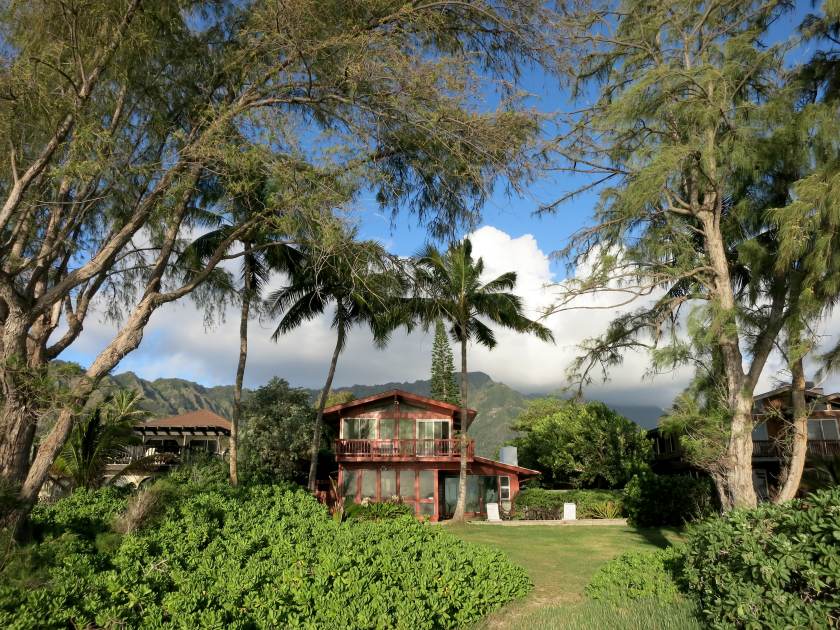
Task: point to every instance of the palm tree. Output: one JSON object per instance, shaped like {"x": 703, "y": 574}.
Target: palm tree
{"x": 261, "y": 254}
{"x": 98, "y": 438}
{"x": 450, "y": 288}
{"x": 358, "y": 279}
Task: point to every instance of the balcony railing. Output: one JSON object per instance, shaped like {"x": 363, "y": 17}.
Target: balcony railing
{"x": 816, "y": 448}
{"x": 154, "y": 459}
{"x": 449, "y": 448}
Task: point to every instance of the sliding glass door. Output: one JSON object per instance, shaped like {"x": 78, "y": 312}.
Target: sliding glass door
{"x": 429, "y": 432}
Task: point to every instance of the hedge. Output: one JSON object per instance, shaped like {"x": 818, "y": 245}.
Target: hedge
{"x": 652, "y": 500}
{"x": 775, "y": 566}
{"x": 253, "y": 557}
{"x": 542, "y": 504}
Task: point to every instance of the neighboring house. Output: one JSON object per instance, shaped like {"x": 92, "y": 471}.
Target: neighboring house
{"x": 400, "y": 445}
{"x": 771, "y": 410}
{"x": 168, "y": 441}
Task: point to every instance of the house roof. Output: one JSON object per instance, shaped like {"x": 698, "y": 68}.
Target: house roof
{"x": 190, "y": 419}
{"x": 810, "y": 390}
{"x": 519, "y": 470}
{"x": 404, "y": 395}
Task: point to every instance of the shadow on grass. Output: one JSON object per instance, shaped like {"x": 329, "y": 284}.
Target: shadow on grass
{"x": 654, "y": 536}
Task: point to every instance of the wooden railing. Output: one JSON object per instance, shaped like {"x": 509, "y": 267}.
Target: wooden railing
{"x": 816, "y": 448}
{"x": 402, "y": 448}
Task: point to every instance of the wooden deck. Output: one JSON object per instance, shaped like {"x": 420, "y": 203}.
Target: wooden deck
{"x": 396, "y": 450}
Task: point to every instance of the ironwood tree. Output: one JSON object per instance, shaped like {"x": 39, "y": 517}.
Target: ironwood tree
{"x": 117, "y": 118}
{"x": 680, "y": 143}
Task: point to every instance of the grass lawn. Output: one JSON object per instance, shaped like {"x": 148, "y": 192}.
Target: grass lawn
{"x": 561, "y": 560}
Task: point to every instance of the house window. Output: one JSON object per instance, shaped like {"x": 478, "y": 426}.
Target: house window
{"x": 387, "y": 483}
{"x": 350, "y": 484}
{"x": 359, "y": 428}
{"x": 407, "y": 485}
{"x": 368, "y": 484}
{"x": 386, "y": 428}
{"x": 504, "y": 488}
{"x": 823, "y": 429}
{"x": 760, "y": 432}
{"x": 427, "y": 484}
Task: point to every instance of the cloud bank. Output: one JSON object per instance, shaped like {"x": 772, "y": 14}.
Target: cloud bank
{"x": 177, "y": 344}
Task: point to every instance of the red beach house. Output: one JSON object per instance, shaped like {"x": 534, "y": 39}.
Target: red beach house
{"x": 399, "y": 444}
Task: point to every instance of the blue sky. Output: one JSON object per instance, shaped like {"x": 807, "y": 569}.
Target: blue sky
{"x": 510, "y": 236}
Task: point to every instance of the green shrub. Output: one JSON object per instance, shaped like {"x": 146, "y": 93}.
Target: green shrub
{"x": 261, "y": 557}
{"x": 639, "y": 575}
{"x": 541, "y": 504}
{"x": 652, "y": 500}
{"x": 775, "y": 566}
{"x": 84, "y": 512}
{"x": 377, "y": 511}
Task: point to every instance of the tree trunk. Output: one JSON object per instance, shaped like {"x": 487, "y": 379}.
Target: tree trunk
{"x": 16, "y": 444}
{"x": 240, "y": 370}
{"x": 319, "y": 417}
{"x": 722, "y": 492}
{"x": 791, "y": 474}
{"x": 738, "y": 475}
{"x": 461, "y": 504}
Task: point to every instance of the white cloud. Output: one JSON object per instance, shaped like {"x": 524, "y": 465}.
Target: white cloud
{"x": 177, "y": 344}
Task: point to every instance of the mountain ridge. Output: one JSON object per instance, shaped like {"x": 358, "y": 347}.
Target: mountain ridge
{"x": 497, "y": 403}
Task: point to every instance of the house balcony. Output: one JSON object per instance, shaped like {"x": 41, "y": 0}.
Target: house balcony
{"x": 769, "y": 449}
{"x": 395, "y": 450}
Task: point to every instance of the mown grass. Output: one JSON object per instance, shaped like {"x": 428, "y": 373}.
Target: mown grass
{"x": 561, "y": 561}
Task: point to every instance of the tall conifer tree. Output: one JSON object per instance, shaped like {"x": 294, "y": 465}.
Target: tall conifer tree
{"x": 444, "y": 386}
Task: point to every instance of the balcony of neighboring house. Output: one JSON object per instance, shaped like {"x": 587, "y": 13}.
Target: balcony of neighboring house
{"x": 402, "y": 449}
{"x": 168, "y": 442}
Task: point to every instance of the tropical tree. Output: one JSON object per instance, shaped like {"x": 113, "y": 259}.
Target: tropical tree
{"x": 444, "y": 386}
{"x": 450, "y": 287}
{"x": 121, "y": 114}
{"x": 263, "y": 251}
{"x": 582, "y": 444}
{"x": 277, "y": 422}
{"x": 99, "y": 438}
{"x": 358, "y": 280}
{"x": 709, "y": 197}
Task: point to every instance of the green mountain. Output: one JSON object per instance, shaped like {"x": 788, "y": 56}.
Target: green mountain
{"x": 497, "y": 404}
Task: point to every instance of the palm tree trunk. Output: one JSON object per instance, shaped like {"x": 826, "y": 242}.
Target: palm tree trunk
{"x": 461, "y": 505}
{"x": 240, "y": 370}
{"x": 319, "y": 417}
{"x": 792, "y": 469}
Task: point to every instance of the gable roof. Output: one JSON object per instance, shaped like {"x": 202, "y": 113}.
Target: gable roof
{"x": 190, "y": 419}
{"x": 401, "y": 394}
{"x": 520, "y": 470}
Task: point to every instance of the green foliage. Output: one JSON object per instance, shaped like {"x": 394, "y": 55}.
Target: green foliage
{"x": 580, "y": 444}
{"x": 85, "y": 512}
{"x": 542, "y": 504}
{"x": 277, "y": 423}
{"x": 257, "y": 556}
{"x": 652, "y": 500}
{"x": 443, "y": 384}
{"x": 639, "y": 575}
{"x": 101, "y": 435}
{"x": 377, "y": 511}
{"x": 775, "y": 566}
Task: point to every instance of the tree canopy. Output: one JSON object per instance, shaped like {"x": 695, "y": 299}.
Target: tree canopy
{"x": 580, "y": 444}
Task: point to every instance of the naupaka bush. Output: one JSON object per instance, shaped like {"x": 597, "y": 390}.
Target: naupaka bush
{"x": 263, "y": 557}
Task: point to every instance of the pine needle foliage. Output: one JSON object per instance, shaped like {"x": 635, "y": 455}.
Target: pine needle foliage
{"x": 444, "y": 386}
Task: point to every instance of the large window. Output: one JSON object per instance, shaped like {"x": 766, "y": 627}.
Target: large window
{"x": 823, "y": 429}
{"x": 359, "y": 428}
{"x": 387, "y": 484}
{"x": 481, "y": 490}
{"x": 428, "y": 432}
{"x": 407, "y": 491}
{"x": 350, "y": 485}
{"x": 368, "y": 484}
